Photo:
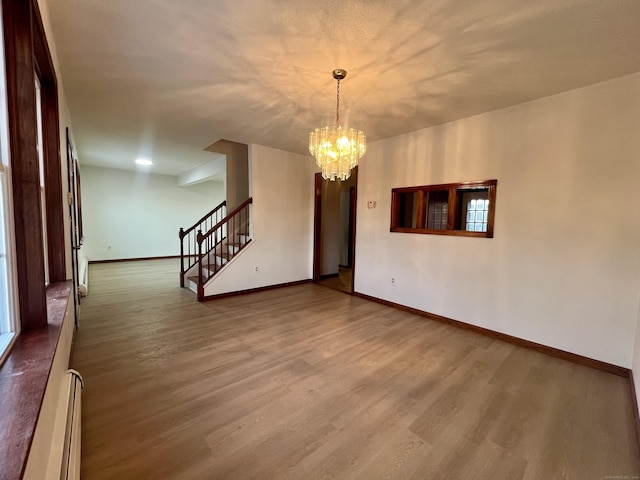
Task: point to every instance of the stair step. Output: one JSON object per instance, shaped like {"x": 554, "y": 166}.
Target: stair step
{"x": 217, "y": 259}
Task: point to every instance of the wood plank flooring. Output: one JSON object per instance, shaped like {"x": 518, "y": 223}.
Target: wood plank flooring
{"x": 309, "y": 383}
{"x": 342, "y": 282}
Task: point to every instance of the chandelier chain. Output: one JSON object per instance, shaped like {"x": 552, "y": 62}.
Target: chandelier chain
{"x": 338, "y": 104}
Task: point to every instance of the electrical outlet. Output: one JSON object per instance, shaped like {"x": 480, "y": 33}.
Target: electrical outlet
{"x": 255, "y": 269}
{"x": 393, "y": 281}
{"x": 371, "y": 204}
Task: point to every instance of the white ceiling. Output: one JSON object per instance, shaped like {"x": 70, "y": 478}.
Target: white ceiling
{"x": 166, "y": 78}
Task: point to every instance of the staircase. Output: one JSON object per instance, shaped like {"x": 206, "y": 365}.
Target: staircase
{"x": 210, "y": 244}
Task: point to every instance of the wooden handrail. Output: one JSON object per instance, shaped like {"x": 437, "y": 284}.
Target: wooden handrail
{"x": 235, "y": 211}
{"x": 185, "y": 232}
{"x": 206, "y": 252}
{"x": 188, "y": 236}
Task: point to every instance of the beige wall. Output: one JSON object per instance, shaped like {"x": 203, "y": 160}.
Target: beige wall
{"x": 564, "y": 266}
{"x": 237, "y": 170}
{"x": 281, "y": 185}
{"x": 130, "y": 214}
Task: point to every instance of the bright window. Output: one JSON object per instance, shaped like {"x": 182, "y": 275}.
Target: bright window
{"x": 43, "y": 197}
{"x": 475, "y": 211}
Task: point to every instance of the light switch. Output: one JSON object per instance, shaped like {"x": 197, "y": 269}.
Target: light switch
{"x": 371, "y": 204}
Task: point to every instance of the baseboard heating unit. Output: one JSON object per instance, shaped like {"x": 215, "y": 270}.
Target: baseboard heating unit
{"x": 70, "y": 452}
{"x": 55, "y": 451}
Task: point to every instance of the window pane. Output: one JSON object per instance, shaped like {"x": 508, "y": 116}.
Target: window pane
{"x": 474, "y": 210}
{"x": 5, "y": 324}
{"x": 43, "y": 197}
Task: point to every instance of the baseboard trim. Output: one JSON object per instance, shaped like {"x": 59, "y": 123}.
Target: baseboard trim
{"x": 636, "y": 407}
{"x": 538, "y": 347}
{"x": 114, "y": 260}
{"x": 254, "y": 290}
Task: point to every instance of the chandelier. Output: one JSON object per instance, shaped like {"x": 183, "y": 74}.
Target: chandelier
{"x": 337, "y": 149}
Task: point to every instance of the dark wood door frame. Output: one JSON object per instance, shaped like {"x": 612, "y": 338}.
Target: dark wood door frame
{"x": 353, "y": 205}
{"x": 74, "y": 229}
{"x": 317, "y": 226}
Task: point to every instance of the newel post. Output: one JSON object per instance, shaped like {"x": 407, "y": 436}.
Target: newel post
{"x": 181, "y": 235}
{"x": 200, "y": 283}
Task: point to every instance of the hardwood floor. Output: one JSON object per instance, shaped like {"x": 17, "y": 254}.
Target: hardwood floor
{"x": 308, "y": 383}
{"x": 342, "y": 282}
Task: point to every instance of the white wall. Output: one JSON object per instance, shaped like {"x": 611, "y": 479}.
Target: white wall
{"x": 282, "y": 185}
{"x": 564, "y": 266}
{"x": 139, "y": 214}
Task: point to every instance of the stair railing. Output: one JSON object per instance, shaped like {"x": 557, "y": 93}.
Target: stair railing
{"x": 234, "y": 228}
{"x": 188, "y": 238}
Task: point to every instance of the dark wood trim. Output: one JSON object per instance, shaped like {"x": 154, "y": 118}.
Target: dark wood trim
{"x": 51, "y": 150}
{"x": 114, "y": 260}
{"x": 23, "y": 381}
{"x": 452, "y": 201}
{"x": 635, "y": 406}
{"x": 352, "y": 228}
{"x": 538, "y": 347}
{"x": 73, "y": 224}
{"x": 452, "y": 233}
{"x": 317, "y": 226}
{"x": 20, "y": 74}
{"x": 41, "y": 52}
{"x": 55, "y": 207}
{"x": 448, "y": 186}
{"x": 491, "y": 214}
{"x": 329, "y": 275}
{"x": 53, "y": 184}
{"x": 354, "y": 212}
{"x": 254, "y": 290}
{"x": 453, "y": 219}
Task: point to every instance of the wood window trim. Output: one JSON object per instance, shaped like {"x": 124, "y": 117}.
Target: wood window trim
{"x": 27, "y": 54}
{"x": 454, "y": 191}
{"x": 25, "y": 369}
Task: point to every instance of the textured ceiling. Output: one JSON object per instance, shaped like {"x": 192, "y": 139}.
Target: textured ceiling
{"x": 165, "y": 79}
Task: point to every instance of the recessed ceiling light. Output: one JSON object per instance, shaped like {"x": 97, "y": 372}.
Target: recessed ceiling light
{"x": 144, "y": 161}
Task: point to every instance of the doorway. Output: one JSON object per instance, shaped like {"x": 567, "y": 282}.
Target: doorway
{"x": 335, "y": 206}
